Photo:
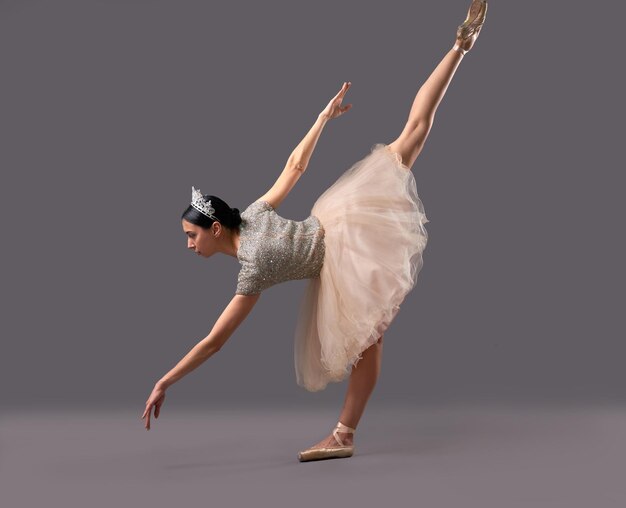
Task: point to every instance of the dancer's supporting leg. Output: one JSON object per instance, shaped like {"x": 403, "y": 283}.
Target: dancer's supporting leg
{"x": 411, "y": 141}
{"x": 362, "y": 381}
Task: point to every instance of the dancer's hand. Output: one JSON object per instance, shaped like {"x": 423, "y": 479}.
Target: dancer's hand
{"x": 156, "y": 399}
{"x": 334, "y": 108}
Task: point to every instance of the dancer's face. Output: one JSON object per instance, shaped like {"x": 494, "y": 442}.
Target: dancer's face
{"x": 202, "y": 241}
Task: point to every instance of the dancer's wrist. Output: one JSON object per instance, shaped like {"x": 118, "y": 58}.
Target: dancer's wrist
{"x": 323, "y": 118}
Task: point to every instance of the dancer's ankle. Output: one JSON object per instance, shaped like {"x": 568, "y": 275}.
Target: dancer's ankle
{"x": 459, "y": 49}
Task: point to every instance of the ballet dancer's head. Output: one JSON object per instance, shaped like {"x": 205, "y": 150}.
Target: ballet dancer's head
{"x": 207, "y": 235}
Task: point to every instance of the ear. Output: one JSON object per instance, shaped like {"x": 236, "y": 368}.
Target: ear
{"x": 217, "y": 229}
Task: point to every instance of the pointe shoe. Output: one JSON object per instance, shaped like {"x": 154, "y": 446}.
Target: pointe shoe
{"x": 335, "y": 452}
{"x": 467, "y": 32}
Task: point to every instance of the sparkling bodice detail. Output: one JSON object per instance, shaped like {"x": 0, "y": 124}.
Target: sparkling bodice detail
{"x": 274, "y": 249}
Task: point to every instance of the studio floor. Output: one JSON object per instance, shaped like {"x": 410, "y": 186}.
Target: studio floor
{"x": 457, "y": 456}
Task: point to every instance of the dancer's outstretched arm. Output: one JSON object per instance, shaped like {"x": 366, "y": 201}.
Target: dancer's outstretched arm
{"x": 299, "y": 158}
{"x": 232, "y": 316}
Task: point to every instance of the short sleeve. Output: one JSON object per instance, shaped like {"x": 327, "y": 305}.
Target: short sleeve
{"x": 252, "y": 278}
{"x": 264, "y": 205}
{"x": 260, "y": 206}
{"x": 249, "y": 281}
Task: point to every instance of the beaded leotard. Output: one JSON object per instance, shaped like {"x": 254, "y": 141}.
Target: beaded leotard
{"x": 274, "y": 249}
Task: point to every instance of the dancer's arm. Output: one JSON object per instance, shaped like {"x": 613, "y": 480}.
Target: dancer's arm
{"x": 236, "y": 311}
{"x": 233, "y": 315}
{"x": 302, "y": 153}
{"x": 299, "y": 158}
{"x": 295, "y": 167}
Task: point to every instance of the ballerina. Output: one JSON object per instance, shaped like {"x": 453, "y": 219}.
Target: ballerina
{"x": 361, "y": 250}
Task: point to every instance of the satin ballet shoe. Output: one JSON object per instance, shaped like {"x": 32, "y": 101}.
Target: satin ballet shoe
{"x": 335, "y": 452}
{"x": 468, "y": 31}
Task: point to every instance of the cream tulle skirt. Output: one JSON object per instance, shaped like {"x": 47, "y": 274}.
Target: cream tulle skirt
{"x": 374, "y": 233}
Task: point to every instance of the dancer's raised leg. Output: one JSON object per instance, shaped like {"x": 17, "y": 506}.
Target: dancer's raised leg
{"x": 412, "y": 138}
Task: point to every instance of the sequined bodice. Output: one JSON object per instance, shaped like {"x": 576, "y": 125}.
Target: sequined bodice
{"x": 273, "y": 249}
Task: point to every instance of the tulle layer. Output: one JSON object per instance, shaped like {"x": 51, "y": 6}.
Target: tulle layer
{"x": 375, "y": 236}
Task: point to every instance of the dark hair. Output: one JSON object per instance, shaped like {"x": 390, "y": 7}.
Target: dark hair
{"x": 227, "y": 216}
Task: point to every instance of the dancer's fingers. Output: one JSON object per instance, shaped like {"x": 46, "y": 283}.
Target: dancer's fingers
{"x": 344, "y": 109}
{"x": 146, "y": 413}
{"x": 343, "y": 90}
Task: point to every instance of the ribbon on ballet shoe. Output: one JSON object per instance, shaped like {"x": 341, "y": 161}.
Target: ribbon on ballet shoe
{"x": 459, "y": 49}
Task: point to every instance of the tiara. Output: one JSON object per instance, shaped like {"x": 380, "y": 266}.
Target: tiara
{"x": 202, "y": 205}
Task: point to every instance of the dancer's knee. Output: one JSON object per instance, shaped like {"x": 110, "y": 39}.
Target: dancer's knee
{"x": 411, "y": 141}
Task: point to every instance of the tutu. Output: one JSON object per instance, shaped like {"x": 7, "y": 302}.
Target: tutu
{"x": 374, "y": 229}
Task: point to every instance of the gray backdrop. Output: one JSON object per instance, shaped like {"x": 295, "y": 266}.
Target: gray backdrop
{"x": 110, "y": 111}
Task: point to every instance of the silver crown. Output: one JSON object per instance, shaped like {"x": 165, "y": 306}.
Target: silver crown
{"x": 201, "y": 204}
